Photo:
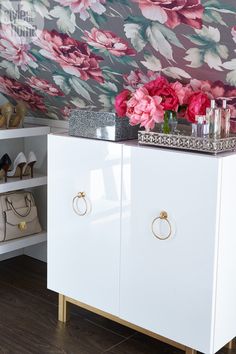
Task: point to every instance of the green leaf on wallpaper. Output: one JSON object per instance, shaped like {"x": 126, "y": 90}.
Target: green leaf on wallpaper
{"x": 86, "y": 86}
{"x": 11, "y": 69}
{"x": 107, "y": 101}
{"x": 97, "y": 19}
{"x": 76, "y": 85}
{"x": 109, "y": 76}
{"x": 66, "y": 19}
{"x": 135, "y": 33}
{"x": 151, "y": 62}
{"x": 62, "y": 82}
{"x": 195, "y": 56}
{"x": 196, "y": 39}
{"x": 220, "y": 6}
{"x": 222, "y": 51}
{"x": 111, "y": 70}
{"x": 78, "y": 102}
{"x": 38, "y": 56}
{"x": 231, "y": 76}
{"x": 169, "y": 35}
{"x": 123, "y": 2}
{"x": 109, "y": 87}
{"x": 213, "y": 16}
{"x": 159, "y": 42}
{"x": 137, "y": 19}
{"x": 176, "y": 73}
{"x": 125, "y": 60}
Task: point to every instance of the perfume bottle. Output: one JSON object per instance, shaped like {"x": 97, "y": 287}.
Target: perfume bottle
{"x": 225, "y": 120}
{"x": 213, "y": 117}
{"x": 202, "y": 130}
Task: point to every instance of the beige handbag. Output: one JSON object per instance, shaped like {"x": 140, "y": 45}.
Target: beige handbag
{"x": 18, "y": 215}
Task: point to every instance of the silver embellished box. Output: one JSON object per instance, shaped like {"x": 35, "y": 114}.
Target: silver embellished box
{"x": 100, "y": 125}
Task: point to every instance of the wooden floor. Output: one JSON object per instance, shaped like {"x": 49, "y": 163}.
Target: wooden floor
{"x": 28, "y": 320}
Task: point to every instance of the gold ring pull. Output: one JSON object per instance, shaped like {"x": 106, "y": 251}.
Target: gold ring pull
{"x": 80, "y": 195}
{"x": 163, "y": 216}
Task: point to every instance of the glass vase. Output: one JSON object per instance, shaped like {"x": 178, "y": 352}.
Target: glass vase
{"x": 170, "y": 122}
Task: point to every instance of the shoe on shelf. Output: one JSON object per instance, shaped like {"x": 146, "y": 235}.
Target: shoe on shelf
{"x": 5, "y": 163}
{"x": 29, "y": 167}
{"x": 18, "y": 166}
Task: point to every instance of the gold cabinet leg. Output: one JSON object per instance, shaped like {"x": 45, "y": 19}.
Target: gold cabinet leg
{"x": 190, "y": 351}
{"x": 63, "y": 309}
{"x": 230, "y": 345}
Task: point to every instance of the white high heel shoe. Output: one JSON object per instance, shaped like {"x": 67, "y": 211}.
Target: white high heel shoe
{"x": 29, "y": 167}
{"x": 18, "y": 166}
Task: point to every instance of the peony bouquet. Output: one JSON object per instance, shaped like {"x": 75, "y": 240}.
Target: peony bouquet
{"x": 150, "y": 103}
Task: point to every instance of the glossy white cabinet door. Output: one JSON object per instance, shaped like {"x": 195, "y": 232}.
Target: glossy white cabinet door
{"x": 168, "y": 286}
{"x": 84, "y": 251}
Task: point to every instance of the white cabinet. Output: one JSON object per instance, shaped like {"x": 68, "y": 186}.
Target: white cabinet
{"x": 181, "y": 288}
{"x": 84, "y": 251}
{"x": 167, "y": 286}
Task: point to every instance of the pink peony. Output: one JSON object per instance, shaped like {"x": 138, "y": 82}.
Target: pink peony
{"x": 109, "y": 41}
{"x": 173, "y": 12}
{"x": 161, "y": 87}
{"x": 44, "y": 86}
{"x": 155, "y": 85}
{"x": 137, "y": 78}
{"x": 144, "y": 110}
{"x": 121, "y": 103}
{"x": 23, "y": 92}
{"x": 73, "y": 56}
{"x": 197, "y": 105}
{"x": 83, "y": 6}
{"x": 13, "y": 48}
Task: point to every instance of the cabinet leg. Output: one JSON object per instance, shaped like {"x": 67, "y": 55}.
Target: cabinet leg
{"x": 230, "y": 345}
{"x": 63, "y": 309}
{"x": 190, "y": 351}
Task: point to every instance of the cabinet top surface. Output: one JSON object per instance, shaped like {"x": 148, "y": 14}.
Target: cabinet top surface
{"x": 134, "y": 143}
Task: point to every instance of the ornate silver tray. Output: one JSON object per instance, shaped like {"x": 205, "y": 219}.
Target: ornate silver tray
{"x": 187, "y": 142}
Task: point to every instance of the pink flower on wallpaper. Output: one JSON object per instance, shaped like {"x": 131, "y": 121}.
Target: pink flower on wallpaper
{"x": 144, "y": 110}
{"x": 82, "y": 7}
{"x": 73, "y": 56}
{"x": 173, "y": 12}
{"x": 213, "y": 90}
{"x": 44, "y": 86}
{"x": 183, "y": 92}
{"x": 65, "y": 111}
{"x": 137, "y": 78}
{"x": 233, "y": 31}
{"x": 13, "y": 48}
{"x": 109, "y": 41}
{"x": 23, "y": 92}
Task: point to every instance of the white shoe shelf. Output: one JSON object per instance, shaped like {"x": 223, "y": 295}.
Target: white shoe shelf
{"x": 28, "y": 131}
{"x": 12, "y": 184}
{"x": 23, "y": 242}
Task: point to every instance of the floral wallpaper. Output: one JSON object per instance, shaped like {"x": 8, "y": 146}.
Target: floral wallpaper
{"x": 81, "y": 53}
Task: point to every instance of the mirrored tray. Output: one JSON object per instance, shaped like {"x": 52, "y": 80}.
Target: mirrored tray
{"x": 184, "y": 141}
